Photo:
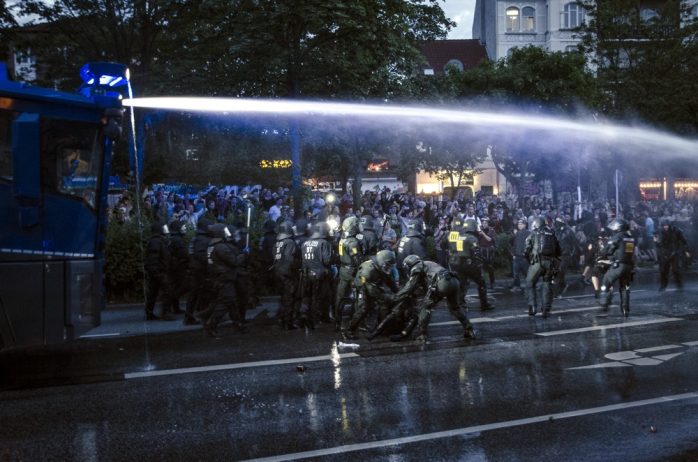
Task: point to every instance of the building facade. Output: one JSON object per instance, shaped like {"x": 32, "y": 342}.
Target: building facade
{"x": 503, "y": 25}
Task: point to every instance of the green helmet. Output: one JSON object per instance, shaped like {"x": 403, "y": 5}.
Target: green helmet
{"x": 350, "y": 226}
{"x": 367, "y": 222}
{"x": 470, "y": 225}
{"x": 386, "y": 260}
{"x": 410, "y": 261}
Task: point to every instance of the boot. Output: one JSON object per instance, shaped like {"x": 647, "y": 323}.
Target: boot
{"x": 531, "y": 310}
{"x": 379, "y": 328}
{"x": 210, "y": 330}
{"x": 469, "y": 332}
{"x": 190, "y": 321}
{"x": 625, "y": 302}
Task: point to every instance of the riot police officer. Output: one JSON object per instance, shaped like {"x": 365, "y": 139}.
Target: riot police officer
{"x": 432, "y": 283}
{"x": 671, "y": 248}
{"x": 464, "y": 260}
{"x": 412, "y": 243}
{"x": 287, "y": 264}
{"x": 179, "y": 265}
{"x": 368, "y": 236}
{"x": 317, "y": 258}
{"x": 350, "y": 257}
{"x": 200, "y": 293}
{"x": 224, "y": 261}
{"x": 542, "y": 251}
{"x": 568, "y": 250}
{"x": 620, "y": 251}
{"x": 375, "y": 289}
{"x": 157, "y": 260}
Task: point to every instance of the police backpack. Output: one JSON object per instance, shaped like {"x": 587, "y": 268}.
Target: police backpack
{"x": 546, "y": 243}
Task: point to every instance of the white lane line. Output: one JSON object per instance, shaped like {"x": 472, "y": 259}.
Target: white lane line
{"x": 113, "y": 334}
{"x": 690, "y": 343}
{"x": 223, "y": 367}
{"x": 514, "y": 316}
{"x": 475, "y": 429}
{"x": 607, "y": 326}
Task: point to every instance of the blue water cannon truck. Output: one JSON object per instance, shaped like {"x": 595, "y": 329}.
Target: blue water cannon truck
{"x": 55, "y": 158}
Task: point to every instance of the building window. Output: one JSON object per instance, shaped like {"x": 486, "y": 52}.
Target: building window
{"x": 528, "y": 15}
{"x": 572, "y": 16}
{"x": 513, "y": 19}
{"x": 453, "y": 63}
{"x": 571, "y": 49}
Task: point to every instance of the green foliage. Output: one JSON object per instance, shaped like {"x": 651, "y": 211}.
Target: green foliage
{"x": 123, "y": 272}
{"x": 7, "y": 21}
{"x": 646, "y": 65}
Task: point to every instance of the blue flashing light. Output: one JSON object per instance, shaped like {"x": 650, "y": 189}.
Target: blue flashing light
{"x": 102, "y": 77}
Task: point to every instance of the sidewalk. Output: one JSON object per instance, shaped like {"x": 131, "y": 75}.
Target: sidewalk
{"x": 129, "y": 320}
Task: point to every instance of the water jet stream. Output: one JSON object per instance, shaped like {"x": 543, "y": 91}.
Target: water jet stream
{"x": 640, "y": 139}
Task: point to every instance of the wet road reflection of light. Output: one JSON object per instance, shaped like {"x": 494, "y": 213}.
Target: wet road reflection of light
{"x": 86, "y": 443}
{"x": 336, "y": 361}
{"x": 313, "y": 411}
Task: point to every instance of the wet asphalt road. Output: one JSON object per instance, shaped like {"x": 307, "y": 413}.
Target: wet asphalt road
{"x": 581, "y": 385}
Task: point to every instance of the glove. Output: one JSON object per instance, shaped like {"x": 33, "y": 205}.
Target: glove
{"x": 334, "y": 271}
{"x": 246, "y": 250}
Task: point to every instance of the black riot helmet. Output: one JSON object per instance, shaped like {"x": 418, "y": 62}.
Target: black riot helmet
{"x": 410, "y": 261}
{"x": 367, "y": 222}
{"x": 321, "y": 230}
{"x": 538, "y": 223}
{"x": 221, "y": 231}
{"x": 203, "y": 224}
{"x": 414, "y": 228}
{"x": 285, "y": 230}
{"x": 385, "y": 260}
{"x": 178, "y": 227}
{"x": 618, "y": 225}
{"x": 301, "y": 227}
{"x": 470, "y": 226}
{"x": 269, "y": 226}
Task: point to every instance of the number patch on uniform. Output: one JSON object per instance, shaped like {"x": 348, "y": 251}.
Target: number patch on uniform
{"x": 629, "y": 247}
{"x": 454, "y": 236}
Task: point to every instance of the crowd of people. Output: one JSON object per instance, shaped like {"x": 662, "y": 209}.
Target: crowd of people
{"x": 383, "y": 264}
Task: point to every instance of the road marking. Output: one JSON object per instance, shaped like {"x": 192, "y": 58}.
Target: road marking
{"x": 475, "y": 429}
{"x": 632, "y": 358}
{"x": 513, "y": 316}
{"x": 607, "y": 326}
{"x": 113, "y": 334}
{"x": 658, "y": 348}
{"x": 224, "y": 367}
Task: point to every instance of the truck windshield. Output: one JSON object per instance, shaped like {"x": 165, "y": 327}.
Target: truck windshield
{"x": 72, "y": 158}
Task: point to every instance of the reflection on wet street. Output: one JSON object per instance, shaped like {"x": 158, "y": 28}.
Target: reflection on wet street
{"x": 581, "y": 385}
